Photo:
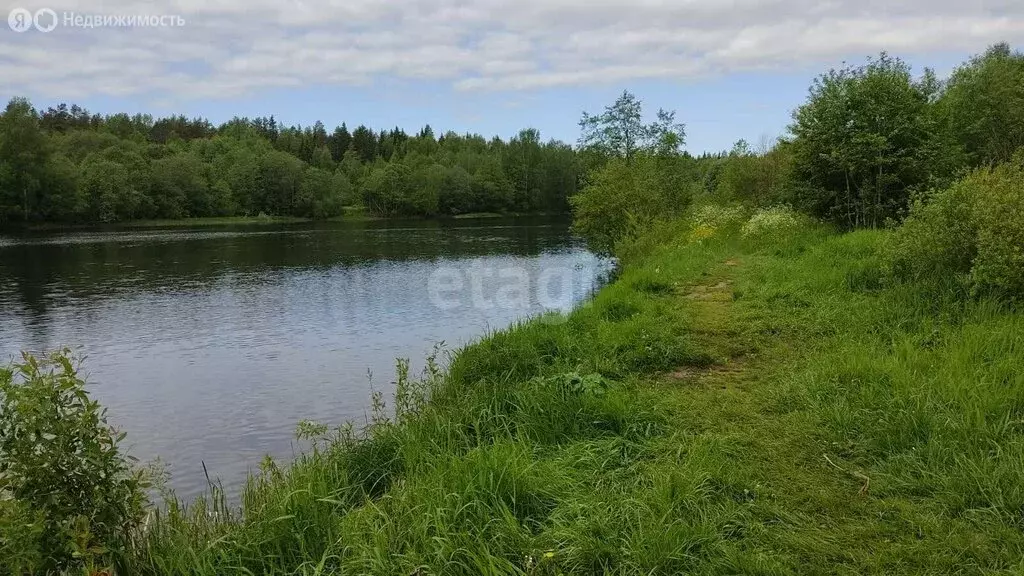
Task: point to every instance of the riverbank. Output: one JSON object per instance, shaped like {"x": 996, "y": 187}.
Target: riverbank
{"x": 765, "y": 403}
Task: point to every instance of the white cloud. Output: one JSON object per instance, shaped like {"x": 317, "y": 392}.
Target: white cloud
{"x": 232, "y": 47}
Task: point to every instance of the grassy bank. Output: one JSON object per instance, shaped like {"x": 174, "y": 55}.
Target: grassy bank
{"x": 760, "y": 405}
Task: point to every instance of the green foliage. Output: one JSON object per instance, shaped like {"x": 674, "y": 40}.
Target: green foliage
{"x": 69, "y": 499}
{"x": 772, "y": 224}
{"x": 871, "y": 137}
{"x": 859, "y": 143}
{"x": 625, "y": 197}
{"x": 22, "y": 532}
{"x": 971, "y": 234}
{"x": 639, "y": 176}
{"x": 322, "y": 194}
{"x": 178, "y": 181}
{"x": 24, "y": 154}
{"x": 389, "y": 191}
{"x": 755, "y": 178}
{"x": 64, "y": 165}
{"x": 619, "y": 132}
{"x": 982, "y": 106}
{"x": 715, "y": 217}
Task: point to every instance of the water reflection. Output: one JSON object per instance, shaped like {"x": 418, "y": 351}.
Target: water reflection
{"x": 209, "y": 345}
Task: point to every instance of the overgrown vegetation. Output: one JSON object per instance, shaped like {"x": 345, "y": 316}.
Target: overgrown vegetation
{"x": 871, "y": 137}
{"x": 770, "y": 403}
{"x": 970, "y": 234}
{"x": 68, "y": 497}
{"x": 759, "y": 392}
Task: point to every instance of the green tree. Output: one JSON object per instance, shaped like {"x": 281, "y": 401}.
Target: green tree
{"x": 559, "y": 178}
{"x": 860, "y": 142}
{"x": 321, "y": 194}
{"x": 364, "y": 141}
{"x": 456, "y": 194}
{"x": 180, "y": 188}
{"x": 63, "y": 200}
{"x": 352, "y": 167}
{"x": 322, "y": 159}
{"x": 492, "y": 191}
{"x": 24, "y": 155}
{"x": 620, "y": 131}
{"x": 279, "y": 176}
{"x": 646, "y": 178}
{"x": 522, "y": 162}
{"x": 625, "y": 197}
{"x": 982, "y": 107}
{"x": 386, "y": 190}
{"x": 339, "y": 142}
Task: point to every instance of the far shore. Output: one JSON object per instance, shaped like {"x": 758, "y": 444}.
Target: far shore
{"x": 352, "y": 214}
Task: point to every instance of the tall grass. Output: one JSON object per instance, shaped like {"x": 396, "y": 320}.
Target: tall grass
{"x": 554, "y": 447}
{"x": 505, "y": 460}
{"x": 820, "y": 418}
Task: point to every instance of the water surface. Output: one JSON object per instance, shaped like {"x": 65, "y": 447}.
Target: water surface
{"x": 209, "y": 345}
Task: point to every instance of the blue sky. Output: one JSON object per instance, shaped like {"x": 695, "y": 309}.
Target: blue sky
{"x": 731, "y": 69}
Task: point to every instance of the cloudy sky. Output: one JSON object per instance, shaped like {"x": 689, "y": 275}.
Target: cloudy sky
{"x": 731, "y": 68}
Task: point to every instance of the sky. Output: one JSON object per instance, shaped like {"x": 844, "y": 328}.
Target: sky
{"x": 730, "y": 68}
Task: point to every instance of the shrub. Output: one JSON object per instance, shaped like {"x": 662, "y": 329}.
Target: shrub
{"x": 66, "y": 490}
{"x": 860, "y": 142}
{"x": 971, "y": 233}
{"x": 626, "y": 198}
{"x": 21, "y": 532}
{"x": 715, "y": 216}
{"x": 771, "y": 223}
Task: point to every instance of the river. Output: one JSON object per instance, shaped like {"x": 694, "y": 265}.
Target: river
{"x": 209, "y": 344}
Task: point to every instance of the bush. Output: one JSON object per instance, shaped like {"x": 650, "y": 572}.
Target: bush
{"x": 68, "y": 498}
{"x": 1000, "y": 219}
{"x": 21, "y": 533}
{"x": 860, "y": 143}
{"x": 771, "y": 223}
{"x": 971, "y": 234}
{"x": 627, "y": 197}
{"x": 717, "y": 216}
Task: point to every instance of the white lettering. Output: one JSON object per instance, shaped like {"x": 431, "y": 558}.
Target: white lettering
{"x": 515, "y": 294}
{"x": 445, "y": 281}
{"x": 476, "y": 280}
{"x": 562, "y": 299}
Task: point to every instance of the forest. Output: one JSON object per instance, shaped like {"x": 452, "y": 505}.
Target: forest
{"x": 869, "y": 138}
{"x": 811, "y": 360}
{"x": 65, "y": 165}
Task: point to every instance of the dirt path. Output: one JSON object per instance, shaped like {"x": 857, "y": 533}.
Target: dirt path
{"x": 800, "y": 500}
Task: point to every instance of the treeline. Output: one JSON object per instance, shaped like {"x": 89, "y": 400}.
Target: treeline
{"x": 871, "y": 138}
{"x": 870, "y": 142}
{"x": 67, "y": 165}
